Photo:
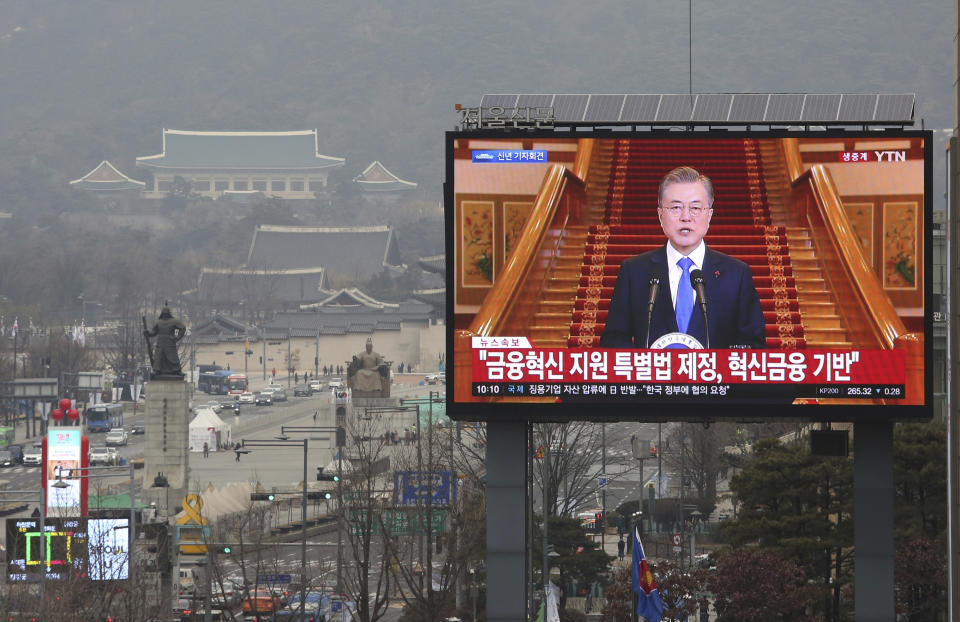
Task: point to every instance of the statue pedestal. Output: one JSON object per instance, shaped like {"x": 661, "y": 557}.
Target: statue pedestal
{"x": 167, "y": 436}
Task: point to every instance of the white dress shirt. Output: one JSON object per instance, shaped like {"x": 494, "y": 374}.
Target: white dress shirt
{"x": 674, "y": 272}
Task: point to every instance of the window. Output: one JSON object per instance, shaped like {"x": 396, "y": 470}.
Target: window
{"x": 296, "y": 186}
{"x": 278, "y": 185}
{"x": 260, "y": 184}
{"x": 221, "y": 184}
{"x": 239, "y": 184}
{"x": 316, "y": 185}
{"x": 163, "y": 185}
{"x": 200, "y": 185}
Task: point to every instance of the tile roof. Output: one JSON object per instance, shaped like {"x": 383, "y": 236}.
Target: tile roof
{"x": 240, "y": 150}
{"x": 283, "y": 286}
{"x": 106, "y": 177}
{"x": 353, "y": 253}
{"x": 376, "y": 178}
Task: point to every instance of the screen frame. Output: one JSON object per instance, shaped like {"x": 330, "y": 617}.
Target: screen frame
{"x": 638, "y": 411}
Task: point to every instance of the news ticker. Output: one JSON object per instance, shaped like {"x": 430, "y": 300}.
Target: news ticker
{"x": 524, "y": 365}
{"x": 693, "y": 392}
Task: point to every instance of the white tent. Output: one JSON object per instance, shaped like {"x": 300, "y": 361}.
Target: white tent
{"x": 208, "y": 428}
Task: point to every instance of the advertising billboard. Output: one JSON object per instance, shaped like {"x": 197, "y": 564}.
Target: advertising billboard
{"x": 705, "y": 274}
{"x": 109, "y": 548}
{"x": 63, "y": 460}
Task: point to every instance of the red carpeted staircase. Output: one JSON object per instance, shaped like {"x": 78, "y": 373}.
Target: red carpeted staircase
{"x": 740, "y": 227}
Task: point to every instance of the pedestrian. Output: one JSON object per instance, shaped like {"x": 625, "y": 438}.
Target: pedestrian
{"x": 206, "y": 450}
{"x": 236, "y": 448}
{"x": 316, "y": 414}
{"x": 296, "y": 377}
{"x": 621, "y": 545}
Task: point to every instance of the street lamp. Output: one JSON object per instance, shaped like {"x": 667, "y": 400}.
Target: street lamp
{"x": 340, "y": 442}
{"x": 287, "y": 442}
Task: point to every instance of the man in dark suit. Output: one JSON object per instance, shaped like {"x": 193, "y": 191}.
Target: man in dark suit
{"x": 733, "y": 307}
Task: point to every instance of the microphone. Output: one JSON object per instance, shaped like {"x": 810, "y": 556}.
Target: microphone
{"x": 698, "y": 283}
{"x": 654, "y": 290}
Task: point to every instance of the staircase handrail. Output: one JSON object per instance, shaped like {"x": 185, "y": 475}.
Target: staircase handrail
{"x": 511, "y": 301}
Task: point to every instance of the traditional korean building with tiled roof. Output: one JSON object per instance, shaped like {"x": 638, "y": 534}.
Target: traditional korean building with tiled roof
{"x": 348, "y": 254}
{"x": 336, "y": 328}
{"x": 250, "y": 292}
{"x": 376, "y": 178}
{"x": 288, "y": 165}
{"x": 106, "y": 178}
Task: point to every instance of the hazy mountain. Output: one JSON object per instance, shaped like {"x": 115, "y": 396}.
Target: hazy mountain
{"x": 84, "y": 81}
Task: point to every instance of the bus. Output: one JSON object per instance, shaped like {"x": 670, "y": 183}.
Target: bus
{"x": 7, "y": 436}
{"x": 222, "y": 382}
{"x": 103, "y": 417}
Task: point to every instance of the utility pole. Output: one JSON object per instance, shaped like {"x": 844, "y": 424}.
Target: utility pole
{"x": 546, "y": 487}
{"x": 603, "y": 491}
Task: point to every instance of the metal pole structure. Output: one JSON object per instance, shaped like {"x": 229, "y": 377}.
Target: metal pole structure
{"x": 529, "y": 509}
{"x": 683, "y": 444}
{"x": 303, "y": 537}
{"x": 43, "y": 542}
{"x": 133, "y": 526}
{"x": 419, "y": 506}
{"x": 316, "y": 355}
{"x": 603, "y": 491}
{"x": 546, "y": 488}
{"x": 264, "y": 340}
{"x": 289, "y": 361}
{"x": 340, "y": 518}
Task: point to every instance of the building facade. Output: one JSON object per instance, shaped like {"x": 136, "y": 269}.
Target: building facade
{"x": 287, "y": 165}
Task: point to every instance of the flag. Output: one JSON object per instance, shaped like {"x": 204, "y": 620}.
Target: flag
{"x": 16, "y": 326}
{"x": 82, "y": 335}
{"x": 649, "y": 604}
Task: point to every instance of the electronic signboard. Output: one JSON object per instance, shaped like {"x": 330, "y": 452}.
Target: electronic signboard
{"x": 97, "y": 548}
{"x": 697, "y": 274}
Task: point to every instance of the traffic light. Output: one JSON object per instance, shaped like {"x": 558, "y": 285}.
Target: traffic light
{"x": 318, "y": 495}
{"x": 223, "y": 550}
{"x": 598, "y": 522}
{"x": 341, "y": 437}
{"x": 261, "y": 496}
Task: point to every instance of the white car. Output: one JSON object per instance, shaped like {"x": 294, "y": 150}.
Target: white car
{"x": 246, "y": 398}
{"x": 32, "y": 456}
{"x": 101, "y": 455}
{"x": 116, "y": 436}
{"x": 336, "y": 383}
{"x": 215, "y": 406}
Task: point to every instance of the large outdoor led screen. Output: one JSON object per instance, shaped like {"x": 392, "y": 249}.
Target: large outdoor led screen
{"x": 62, "y": 467}
{"x": 694, "y": 274}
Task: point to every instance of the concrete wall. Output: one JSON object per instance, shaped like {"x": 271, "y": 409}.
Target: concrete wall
{"x": 412, "y": 344}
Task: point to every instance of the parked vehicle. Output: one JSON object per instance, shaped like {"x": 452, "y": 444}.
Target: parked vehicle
{"x": 102, "y": 456}
{"x": 302, "y": 390}
{"x": 33, "y": 456}
{"x": 116, "y": 437}
{"x": 10, "y": 458}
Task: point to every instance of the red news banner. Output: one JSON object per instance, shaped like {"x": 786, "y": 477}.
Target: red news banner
{"x": 500, "y": 370}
